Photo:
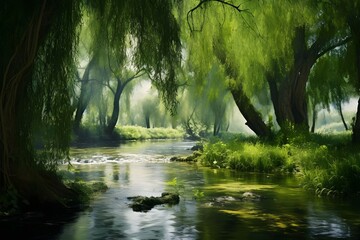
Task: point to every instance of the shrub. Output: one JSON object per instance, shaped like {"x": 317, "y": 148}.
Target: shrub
{"x": 215, "y": 154}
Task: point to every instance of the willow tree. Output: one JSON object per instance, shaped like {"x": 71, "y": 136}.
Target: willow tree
{"x": 206, "y": 102}
{"x": 288, "y": 90}
{"x": 210, "y": 40}
{"x": 288, "y": 38}
{"x": 37, "y": 60}
{"x": 37, "y": 68}
{"x": 278, "y": 44}
{"x": 329, "y": 84}
{"x": 350, "y": 13}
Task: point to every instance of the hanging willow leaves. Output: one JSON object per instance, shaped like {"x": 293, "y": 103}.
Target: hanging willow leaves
{"x": 37, "y": 71}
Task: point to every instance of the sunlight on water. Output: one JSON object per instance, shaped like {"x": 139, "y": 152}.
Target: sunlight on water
{"x": 232, "y": 205}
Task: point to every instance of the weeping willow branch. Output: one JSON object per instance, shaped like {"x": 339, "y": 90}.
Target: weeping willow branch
{"x": 13, "y": 79}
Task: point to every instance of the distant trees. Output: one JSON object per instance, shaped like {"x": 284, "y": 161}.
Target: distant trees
{"x": 127, "y": 48}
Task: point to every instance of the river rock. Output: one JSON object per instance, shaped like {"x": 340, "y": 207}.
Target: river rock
{"x": 144, "y": 204}
{"x": 221, "y": 201}
{"x": 190, "y": 158}
{"x": 198, "y": 147}
{"x": 250, "y": 196}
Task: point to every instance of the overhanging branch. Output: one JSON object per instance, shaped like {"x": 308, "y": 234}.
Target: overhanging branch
{"x": 338, "y": 44}
{"x": 226, "y": 3}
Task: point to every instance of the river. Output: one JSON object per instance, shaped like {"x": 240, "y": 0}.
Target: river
{"x": 211, "y": 205}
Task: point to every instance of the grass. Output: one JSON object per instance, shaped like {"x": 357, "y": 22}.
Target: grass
{"x": 328, "y": 165}
{"x": 247, "y": 156}
{"x": 91, "y": 133}
{"x": 141, "y": 133}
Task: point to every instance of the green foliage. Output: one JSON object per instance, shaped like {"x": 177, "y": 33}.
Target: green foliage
{"x": 246, "y": 156}
{"x": 45, "y": 110}
{"x": 138, "y": 133}
{"x": 291, "y": 134}
{"x": 339, "y": 177}
{"x": 215, "y": 155}
{"x": 331, "y": 171}
{"x": 198, "y": 194}
{"x": 325, "y": 164}
{"x": 86, "y": 190}
{"x": 177, "y": 185}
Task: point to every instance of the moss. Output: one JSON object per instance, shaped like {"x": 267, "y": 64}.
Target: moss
{"x": 144, "y": 204}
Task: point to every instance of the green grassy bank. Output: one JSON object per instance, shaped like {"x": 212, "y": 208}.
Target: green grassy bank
{"x": 328, "y": 165}
{"x": 90, "y": 133}
{"x": 141, "y": 133}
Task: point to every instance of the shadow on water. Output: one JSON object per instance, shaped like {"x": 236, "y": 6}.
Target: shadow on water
{"x": 214, "y": 204}
{"x": 36, "y": 225}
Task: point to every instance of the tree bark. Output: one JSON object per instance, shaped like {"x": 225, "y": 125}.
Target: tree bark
{"x": 16, "y": 68}
{"x": 252, "y": 117}
{"x": 314, "y": 117}
{"x": 288, "y": 93}
{"x": 18, "y": 169}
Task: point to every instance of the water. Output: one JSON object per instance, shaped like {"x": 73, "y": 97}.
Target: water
{"x": 283, "y": 211}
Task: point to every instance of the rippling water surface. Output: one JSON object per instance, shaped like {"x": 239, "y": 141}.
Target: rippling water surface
{"x": 283, "y": 210}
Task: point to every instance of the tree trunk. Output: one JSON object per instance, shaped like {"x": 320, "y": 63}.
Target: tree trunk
{"x": 355, "y": 30}
{"x": 356, "y": 127}
{"x": 288, "y": 93}
{"x": 16, "y": 67}
{"x": 85, "y": 95}
{"x": 147, "y": 121}
{"x": 18, "y": 169}
{"x": 314, "y": 117}
{"x": 342, "y": 115}
{"x": 217, "y": 124}
{"x": 116, "y": 108}
{"x": 252, "y": 117}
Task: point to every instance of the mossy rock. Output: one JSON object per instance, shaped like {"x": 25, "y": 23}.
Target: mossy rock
{"x": 191, "y": 158}
{"x": 144, "y": 204}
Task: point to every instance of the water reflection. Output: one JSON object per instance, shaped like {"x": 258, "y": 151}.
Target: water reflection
{"x": 326, "y": 223}
{"x": 284, "y": 210}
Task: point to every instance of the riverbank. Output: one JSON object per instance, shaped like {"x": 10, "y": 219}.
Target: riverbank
{"x": 280, "y": 209}
{"x": 328, "y": 165}
{"x": 95, "y": 135}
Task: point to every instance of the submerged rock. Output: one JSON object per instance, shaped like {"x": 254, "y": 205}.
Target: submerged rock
{"x": 225, "y": 199}
{"x": 221, "y": 201}
{"x": 250, "y": 196}
{"x": 144, "y": 204}
{"x": 190, "y": 158}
